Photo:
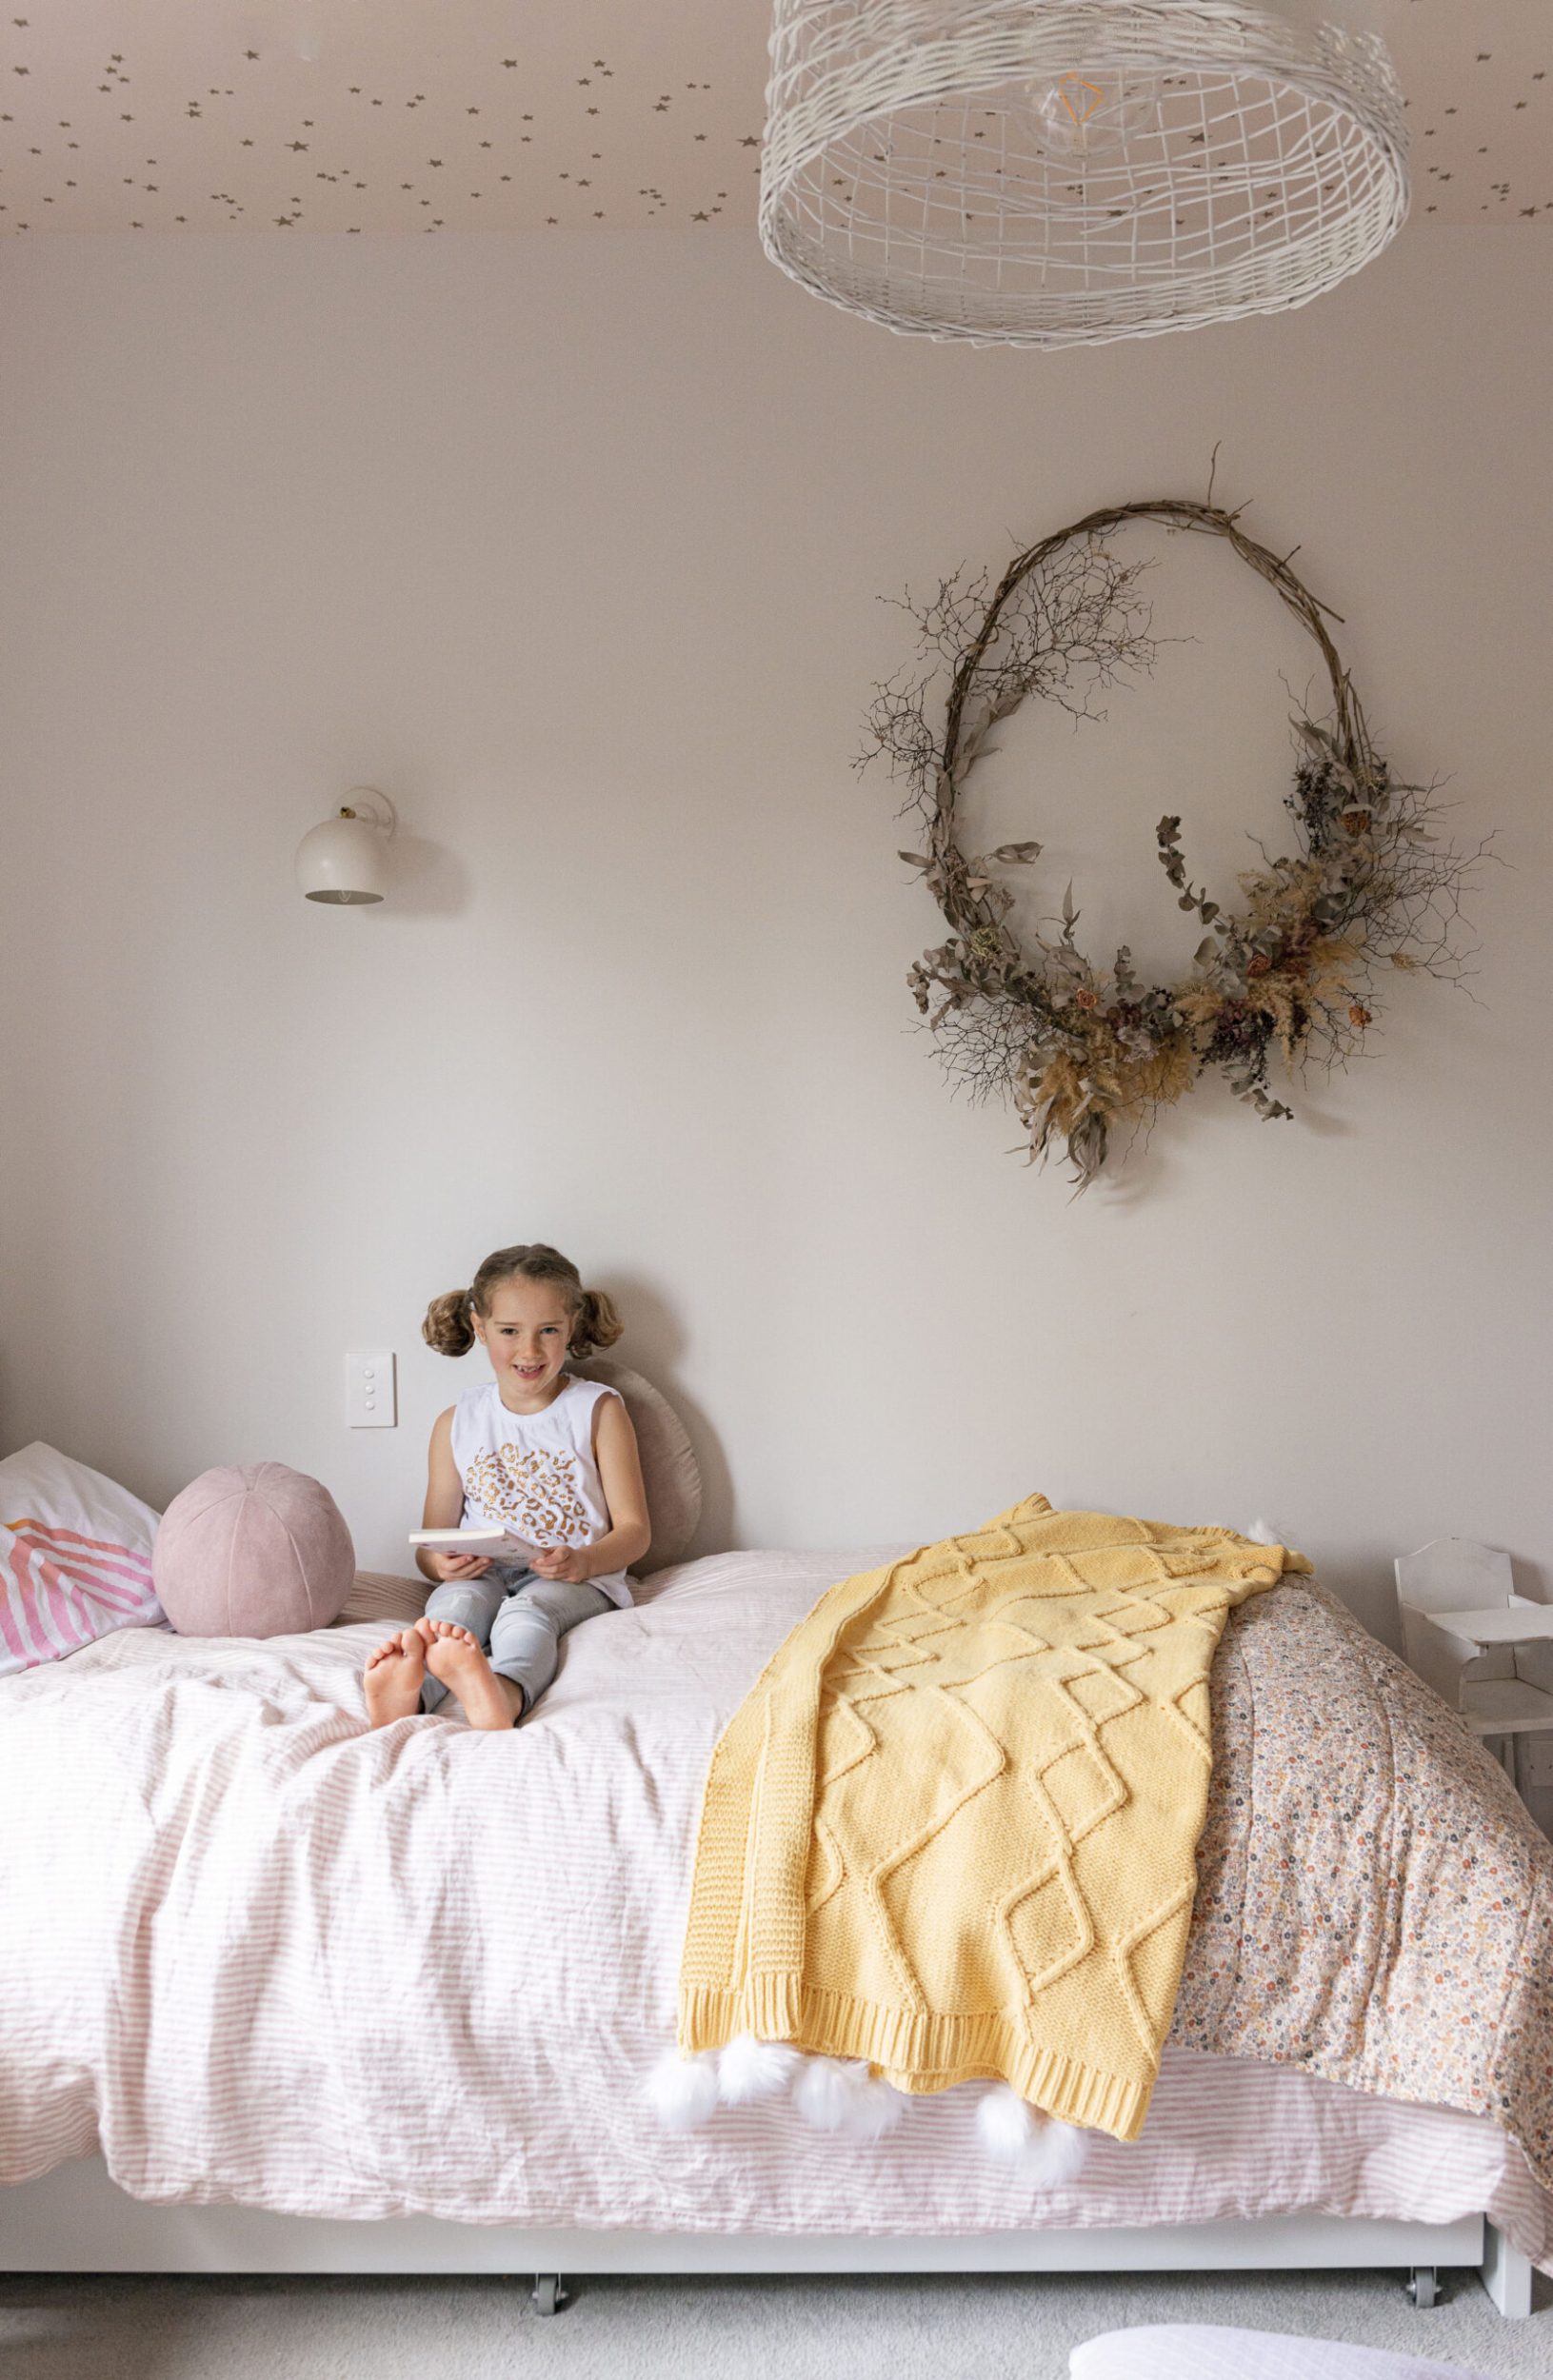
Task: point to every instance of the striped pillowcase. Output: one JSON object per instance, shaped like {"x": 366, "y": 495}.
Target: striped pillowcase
{"x": 75, "y": 1559}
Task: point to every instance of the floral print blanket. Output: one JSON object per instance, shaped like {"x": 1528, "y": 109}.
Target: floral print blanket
{"x": 1374, "y": 1903}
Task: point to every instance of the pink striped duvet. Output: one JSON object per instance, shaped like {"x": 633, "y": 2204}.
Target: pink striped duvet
{"x": 257, "y": 1952}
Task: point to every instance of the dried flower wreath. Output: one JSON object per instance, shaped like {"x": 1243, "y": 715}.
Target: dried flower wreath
{"x": 1078, "y": 1051}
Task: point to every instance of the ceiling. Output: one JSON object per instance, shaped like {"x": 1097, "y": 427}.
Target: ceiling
{"x": 457, "y": 115}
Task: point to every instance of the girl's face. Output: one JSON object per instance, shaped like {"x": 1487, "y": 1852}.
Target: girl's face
{"x": 525, "y": 1335}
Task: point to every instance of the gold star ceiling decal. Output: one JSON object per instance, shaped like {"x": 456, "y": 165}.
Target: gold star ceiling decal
{"x": 388, "y": 115}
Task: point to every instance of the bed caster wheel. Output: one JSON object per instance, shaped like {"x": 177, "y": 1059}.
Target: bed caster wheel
{"x": 1423, "y": 2286}
{"x": 548, "y": 2294}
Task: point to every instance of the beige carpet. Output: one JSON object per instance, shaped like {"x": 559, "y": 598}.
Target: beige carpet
{"x": 930, "y": 2328}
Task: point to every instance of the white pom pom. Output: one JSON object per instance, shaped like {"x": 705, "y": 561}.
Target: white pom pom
{"x": 1004, "y": 2123}
{"x": 682, "y": 2090}
{"x": 1056, "y": 2155}
{"x": 748, "y": 2070}
{"x": 824, "y": 2089}
{"x": 839, "y": 2096}
{"x": 1043, "y": 2150}
{"x": 1263, "y": 1532}
{"x": 873, "y": 2109}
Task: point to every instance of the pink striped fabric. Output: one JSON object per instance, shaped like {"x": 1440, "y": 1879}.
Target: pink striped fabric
{"x": 75, "y": 1557}
{"x": 60, "y": 1590}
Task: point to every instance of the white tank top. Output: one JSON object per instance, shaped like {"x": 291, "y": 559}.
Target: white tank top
{"x": 534, "y": 1473}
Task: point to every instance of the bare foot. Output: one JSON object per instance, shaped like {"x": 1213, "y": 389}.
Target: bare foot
{"x": 394, "y": 1670}
{"x": 456, "y": 1657}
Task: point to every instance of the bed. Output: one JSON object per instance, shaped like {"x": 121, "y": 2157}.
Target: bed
{"x": 277, "y": 1993}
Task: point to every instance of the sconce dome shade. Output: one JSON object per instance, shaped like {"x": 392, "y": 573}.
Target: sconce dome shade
{"x": 344, "y": 860}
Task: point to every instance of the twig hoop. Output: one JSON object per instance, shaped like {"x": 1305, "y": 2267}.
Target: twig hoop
{"x": 1079, "y": 1049}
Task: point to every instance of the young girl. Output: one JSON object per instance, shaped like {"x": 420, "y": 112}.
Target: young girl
{"x": 534, "y": 1450}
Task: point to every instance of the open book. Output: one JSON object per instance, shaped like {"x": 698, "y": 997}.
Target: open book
{"x": 497, "y": 1546}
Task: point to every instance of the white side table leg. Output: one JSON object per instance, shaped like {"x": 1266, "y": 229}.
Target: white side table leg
{"x": 1506, "y": 2273}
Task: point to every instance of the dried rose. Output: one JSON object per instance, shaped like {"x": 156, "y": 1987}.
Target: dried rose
{"x": 1357, "y": 821}
{"x": 1084, "y": 997}
{"x": 1261, "y": 965}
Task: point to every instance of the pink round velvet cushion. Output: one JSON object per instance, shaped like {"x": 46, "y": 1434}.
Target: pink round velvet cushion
{"x": 261, "y": 1552}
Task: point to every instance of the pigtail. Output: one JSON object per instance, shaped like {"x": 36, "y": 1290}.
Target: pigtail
{"x": 449, "y": 1321}
{"x": 597, "y": 1324}
{"x": 448, "y": 1324}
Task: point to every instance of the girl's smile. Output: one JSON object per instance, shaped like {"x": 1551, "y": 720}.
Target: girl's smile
{"x": 526, "y": 1335}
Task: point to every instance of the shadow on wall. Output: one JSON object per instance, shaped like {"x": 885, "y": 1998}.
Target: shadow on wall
{"x": 1363, "y": 1580}
{"x": 426, "y": 879}
{"x": 652, "y": 1345}
{"x": 1146, "y": 1160}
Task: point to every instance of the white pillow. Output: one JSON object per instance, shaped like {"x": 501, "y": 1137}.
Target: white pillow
{"x": 75, "y": 1557}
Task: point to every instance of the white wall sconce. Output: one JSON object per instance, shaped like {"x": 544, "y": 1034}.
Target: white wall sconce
{"x": 344, "y": 860}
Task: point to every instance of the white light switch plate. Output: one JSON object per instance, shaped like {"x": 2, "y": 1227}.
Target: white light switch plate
{"x": 371, "y": 1391}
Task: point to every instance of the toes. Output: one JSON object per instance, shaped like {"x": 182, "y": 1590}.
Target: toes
{"x": 396, "y": 1648}
{"x": 450, "y": 1647}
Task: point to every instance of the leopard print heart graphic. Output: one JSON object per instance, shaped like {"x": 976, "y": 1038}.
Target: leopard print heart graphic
{"x": 535, "y": 1494}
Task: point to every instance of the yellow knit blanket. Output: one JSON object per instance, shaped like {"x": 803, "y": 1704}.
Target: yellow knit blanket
{"x": 952, "y": 1828}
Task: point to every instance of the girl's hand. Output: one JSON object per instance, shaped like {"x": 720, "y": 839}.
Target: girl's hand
{"x": 560, "y": 1562}
{"x": 459, "y": 1565}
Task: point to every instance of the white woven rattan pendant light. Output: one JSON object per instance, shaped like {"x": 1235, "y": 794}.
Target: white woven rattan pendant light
{"x": 1054, "y": 172}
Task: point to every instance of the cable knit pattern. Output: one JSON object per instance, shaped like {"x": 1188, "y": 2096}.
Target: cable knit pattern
{"x": 951, "y": 1829}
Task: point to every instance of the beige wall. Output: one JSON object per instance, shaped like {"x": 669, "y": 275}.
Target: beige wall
{"x": 573, "y": 546}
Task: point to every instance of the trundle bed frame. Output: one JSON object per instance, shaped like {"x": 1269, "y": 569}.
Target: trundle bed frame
{"x": 76, "y": 2220}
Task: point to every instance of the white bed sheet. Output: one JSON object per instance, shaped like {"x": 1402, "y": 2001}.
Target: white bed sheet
{"x": 259, "y": 1953}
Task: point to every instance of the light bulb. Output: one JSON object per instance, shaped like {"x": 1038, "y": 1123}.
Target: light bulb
{"x": 1086, "y": 117}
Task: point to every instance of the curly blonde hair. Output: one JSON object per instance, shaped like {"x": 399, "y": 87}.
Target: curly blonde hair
{"x": 449, "y": 1320}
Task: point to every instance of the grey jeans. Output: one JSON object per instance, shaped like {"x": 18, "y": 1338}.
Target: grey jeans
{"x": 519, "y": 1619}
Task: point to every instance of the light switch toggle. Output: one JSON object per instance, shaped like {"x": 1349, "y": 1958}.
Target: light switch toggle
{"x": 371, "y": 1391}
